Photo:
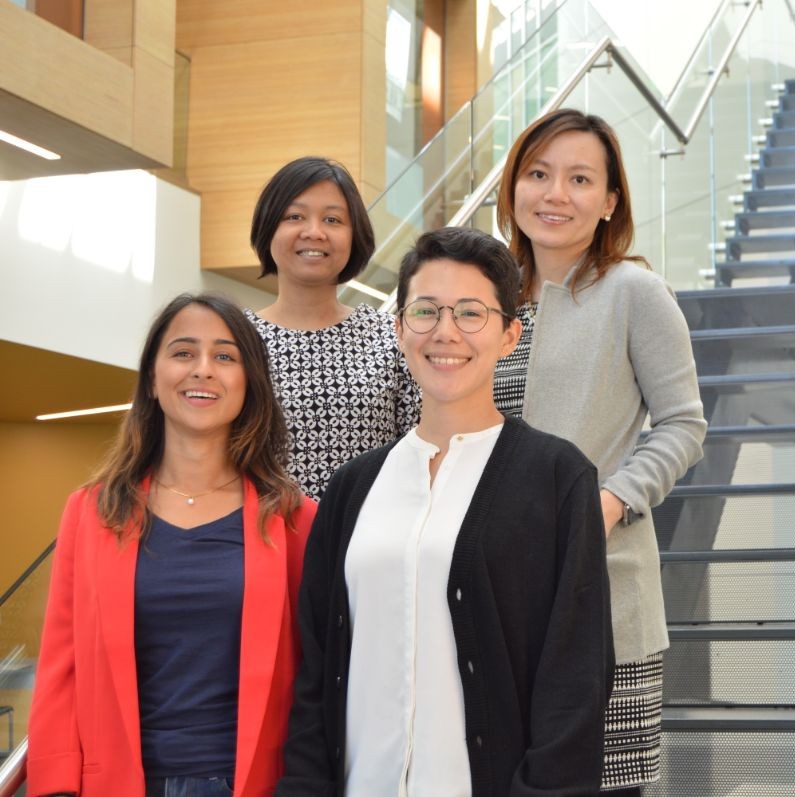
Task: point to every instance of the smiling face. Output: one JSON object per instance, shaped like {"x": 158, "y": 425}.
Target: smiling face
{"x": 561, "y": 196}
{"x": 198, "y": 377}
{"x": 312, "y": 243}
{"x": 455, "y": 369}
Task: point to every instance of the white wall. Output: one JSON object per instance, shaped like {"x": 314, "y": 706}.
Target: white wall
{"x": 86, "y": 261}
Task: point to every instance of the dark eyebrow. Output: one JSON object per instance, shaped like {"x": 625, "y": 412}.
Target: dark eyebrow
{"x": 436, "y": 301}
{"x": 194, "y": 341}
{"x": 295, "y": 204}
{"x": 577, "y": 167}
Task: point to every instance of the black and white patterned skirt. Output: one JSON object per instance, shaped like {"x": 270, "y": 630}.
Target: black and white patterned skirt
{"x": 632, "y": 725}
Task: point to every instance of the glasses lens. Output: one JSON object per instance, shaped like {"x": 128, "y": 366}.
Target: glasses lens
{"x": 421, "y": 316}
{"x": 471, "y": 316}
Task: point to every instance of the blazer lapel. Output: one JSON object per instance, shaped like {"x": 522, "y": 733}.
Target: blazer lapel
{"x": 116, "y": 598}
{"x": 264, "y": 593}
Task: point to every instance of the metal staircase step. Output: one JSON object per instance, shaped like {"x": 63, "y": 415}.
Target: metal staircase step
{"x": 745, "y": 383}
{"x": 739, "y": 245}
{"x": 777, "y": 156}
{"x": 786, "y": 102}
{"x": 769, "y": 198}
{"x": 775, "y": 335}
{"x": 758, "y": 434}
{"x": 738, "y": 307}
{"x": 723, "y": 718}
{"x": 784, "y": 137}
{"x": 783, "y": 119}
{"x": 730, "y": 555}
{"x": 769, "y": 177}
{"x": 730, "y": 632}
{"x": 703, "y": 490}
{"x": 731, "y": 270}
{"x": 763, "y": 220}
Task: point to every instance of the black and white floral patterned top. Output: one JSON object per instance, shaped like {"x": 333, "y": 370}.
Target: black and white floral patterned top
{"x": 344, "y": 389}
{"x": 510, "y": 375}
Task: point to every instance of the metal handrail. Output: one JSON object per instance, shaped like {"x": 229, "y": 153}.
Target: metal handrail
{"x": 478, "y": 196}
{"x": 27, "y": 572}
{"x": 14, "y": 770}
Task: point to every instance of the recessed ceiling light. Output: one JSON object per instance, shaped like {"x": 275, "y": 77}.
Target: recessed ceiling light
{"x": 53, "y": 416}
{"x": 35, "y": 149}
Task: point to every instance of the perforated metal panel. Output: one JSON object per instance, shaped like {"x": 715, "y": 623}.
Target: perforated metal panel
{"x": 729, "y": 591}
{"x": 722, "y": 672}
{"x": 742, "y": 521}
{"x": 724, "y": 764}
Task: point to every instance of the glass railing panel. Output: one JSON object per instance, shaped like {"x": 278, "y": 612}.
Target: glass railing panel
{"x": 700, "y": 185}
{"x": 433, "y": 187}
{"x": 678, "y": 200}
{"x": 21, "y": 620}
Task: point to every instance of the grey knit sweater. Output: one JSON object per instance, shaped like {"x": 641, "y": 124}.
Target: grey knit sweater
{"x": 601, "y": 362}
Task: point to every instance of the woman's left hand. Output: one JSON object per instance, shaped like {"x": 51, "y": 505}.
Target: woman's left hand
{"x": 612, "y": 510}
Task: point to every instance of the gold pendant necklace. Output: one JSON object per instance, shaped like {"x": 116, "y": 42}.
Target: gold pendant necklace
{"x": 191, "y": 497}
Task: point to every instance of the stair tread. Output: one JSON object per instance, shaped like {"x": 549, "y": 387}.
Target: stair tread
{"x": 775, "y": 432}
{"x": 704, "y": 490}
{"x": 730, "y": 716}
{"x": 769, "y": 630}
{"x": 732, "y": 333}
{"x": 742, "y": 379}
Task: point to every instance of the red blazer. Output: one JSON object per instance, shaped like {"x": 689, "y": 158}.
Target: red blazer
{"x": 84, "y": 732}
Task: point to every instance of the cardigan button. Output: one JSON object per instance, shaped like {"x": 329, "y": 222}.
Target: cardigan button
{"x": 339, "y": 681}
{"x": 471, "y": 668}
{"x": 458, "y": 594}
{"x": 340, "y": 621}
{"x": 337, "y": 754}
{"x": 479, "y": 741}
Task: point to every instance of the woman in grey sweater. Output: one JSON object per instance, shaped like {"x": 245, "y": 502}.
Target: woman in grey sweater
{"x": 603, "y": 346}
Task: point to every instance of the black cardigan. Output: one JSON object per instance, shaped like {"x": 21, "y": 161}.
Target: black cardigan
{"x": 529, "y": 602}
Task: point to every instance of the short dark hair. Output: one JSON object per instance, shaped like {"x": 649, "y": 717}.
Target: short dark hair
{"x": 289, "y": 182}
{"x": 472, "y": 247}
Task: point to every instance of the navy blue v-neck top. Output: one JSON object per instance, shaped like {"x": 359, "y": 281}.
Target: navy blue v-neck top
{"x": 188, "y": 608}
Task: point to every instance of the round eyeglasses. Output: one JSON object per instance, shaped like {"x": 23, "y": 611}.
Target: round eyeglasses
{"x": 469, "y": 315}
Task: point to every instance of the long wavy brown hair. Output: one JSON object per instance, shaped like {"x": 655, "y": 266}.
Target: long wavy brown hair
{"x": 612, "y": 240}
{"x": 258, "y": 442}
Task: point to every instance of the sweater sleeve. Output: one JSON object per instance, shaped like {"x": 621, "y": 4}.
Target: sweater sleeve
{"x": 662, "y": 359}
{"x": 55, "y": 758}
{"x": 575, "y": 672}
{"x": 308, "y": 770}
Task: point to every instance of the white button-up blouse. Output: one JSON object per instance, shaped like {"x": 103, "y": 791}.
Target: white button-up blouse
{"x": 405, "y": 709}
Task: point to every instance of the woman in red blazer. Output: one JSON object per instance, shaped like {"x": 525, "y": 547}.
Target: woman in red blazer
{"x": 170, "y": 639}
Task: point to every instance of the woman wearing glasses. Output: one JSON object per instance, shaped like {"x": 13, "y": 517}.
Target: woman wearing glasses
{"x": 337, "y": 370}
{"x": 454, "y": 608}
{"x": 603, "y": 346}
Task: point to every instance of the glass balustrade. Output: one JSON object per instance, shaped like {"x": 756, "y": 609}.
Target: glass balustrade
{"x": 680, "y": 194}
{"x": 21, "y": 619}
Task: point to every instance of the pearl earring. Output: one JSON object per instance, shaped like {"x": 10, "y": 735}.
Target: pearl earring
{"x": 608, "y": 217}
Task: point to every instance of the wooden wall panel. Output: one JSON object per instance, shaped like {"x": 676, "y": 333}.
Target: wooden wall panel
{"x": 108, "y": 26}
{"x": 208, "y": 23}
{"x": 461, "y": 54}
{"x": 270, "y": 83}
{"x": 252, "y": 108}
{"x": 153, "y": 115}
{"x": 118, "y": 84}
{"x": 75, "y": 81}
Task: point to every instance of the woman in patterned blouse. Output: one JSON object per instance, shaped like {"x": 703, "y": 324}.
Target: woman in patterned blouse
{"x": 342, "y": 381}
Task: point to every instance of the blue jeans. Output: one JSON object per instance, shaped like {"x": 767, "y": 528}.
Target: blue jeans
{"x": 189, "y": 787}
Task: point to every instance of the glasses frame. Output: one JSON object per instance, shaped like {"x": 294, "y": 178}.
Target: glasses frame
{"x": 451, "y": 308}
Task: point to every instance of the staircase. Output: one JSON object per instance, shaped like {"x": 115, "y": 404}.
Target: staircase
{"x": 727, "y": 531}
